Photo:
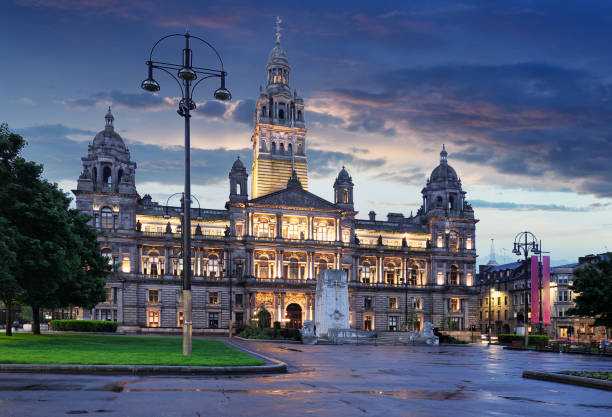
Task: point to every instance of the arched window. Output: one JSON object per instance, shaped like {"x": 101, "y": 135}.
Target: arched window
{"x": 282, "y": 148}
{"x": 108, "y": 254}
{"x": 346, "y": 196}
{"x": 106, "y": 175}
{"x": 454, "y": 275}
{"x": 451, "y": 202}
{"x": 293, "y": 268}
{"x": 263, "y": 145}
{"x": 439, "y": 202}
{"x": 95, "y": 174}
{"x": 299, "y": 115}
{"x": 281, "y": 114}
{"x": 106, "y": 216}
{"x": 365, "y": 272}
{"x": 264, "y": 112}
{"x": 213, "y": 266}
{"x": 300, "y": 149}
{"x": 453, "y": 241}
{"x": 290, "y": 149}
{"x": 273, "y": 147}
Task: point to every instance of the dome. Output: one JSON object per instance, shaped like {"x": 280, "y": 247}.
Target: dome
{"x": 108, "y": 137}
{"x": 278, "y": 56}
{"x": 444, "y": 172}
{"x": 343, "y": 175}
{"x": 238, "y": 165}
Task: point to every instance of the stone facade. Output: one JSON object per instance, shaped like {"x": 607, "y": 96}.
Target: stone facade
{"x": 268, "y": 250}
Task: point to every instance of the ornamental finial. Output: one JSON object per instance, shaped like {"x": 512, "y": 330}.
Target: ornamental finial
{"x": 278, "y": 29}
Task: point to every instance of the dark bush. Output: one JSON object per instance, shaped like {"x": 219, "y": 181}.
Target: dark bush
{"x": 251, "y": 332}
{"x": 533, "y": 339}
{"x": 84, "y": 326}
{"x": 277, "y": 325}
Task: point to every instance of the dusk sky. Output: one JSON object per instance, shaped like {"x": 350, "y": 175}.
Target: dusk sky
{"x": 520, "y": 92}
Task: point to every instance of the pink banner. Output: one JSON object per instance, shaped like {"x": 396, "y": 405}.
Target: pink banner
{"x": 546, "y": 290}
{"x": 535, "y": 302}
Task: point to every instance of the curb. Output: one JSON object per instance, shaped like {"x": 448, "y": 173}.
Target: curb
{"x": 569, "y": 379}
{"x": 244, "y": 339}
{"x": 141, "y": 369}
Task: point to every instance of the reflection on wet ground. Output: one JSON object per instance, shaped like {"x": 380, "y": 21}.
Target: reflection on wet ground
{"x": 328, "y": 380}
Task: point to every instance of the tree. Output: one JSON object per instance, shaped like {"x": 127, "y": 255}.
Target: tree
{"x": 57, "y": 257}
{"x": 593, "y": 286}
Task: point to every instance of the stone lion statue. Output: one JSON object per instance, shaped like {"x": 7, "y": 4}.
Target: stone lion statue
{"x": 425, "y": 336}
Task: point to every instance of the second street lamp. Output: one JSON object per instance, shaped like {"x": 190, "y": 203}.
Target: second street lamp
{"x": 187, "y": 74}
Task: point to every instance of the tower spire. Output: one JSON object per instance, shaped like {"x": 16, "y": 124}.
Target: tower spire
{"x": 443, "y": 155}
{"x": 492, "y": 260}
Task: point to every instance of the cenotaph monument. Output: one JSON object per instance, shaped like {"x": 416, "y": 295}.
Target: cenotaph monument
{"x": 331, "y": 302}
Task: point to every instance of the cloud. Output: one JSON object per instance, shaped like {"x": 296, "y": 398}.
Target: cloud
{"x": 26, "y": 100}
{"x": 504, "y": 205}
{"x": 325, "y": 163}
{"x": 527, "y": 121}
{"x": 140, "y": 101}
{"x": 407, "y": 176}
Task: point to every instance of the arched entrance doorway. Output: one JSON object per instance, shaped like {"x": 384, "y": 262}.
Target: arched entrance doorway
{"x": 294, "y": 314}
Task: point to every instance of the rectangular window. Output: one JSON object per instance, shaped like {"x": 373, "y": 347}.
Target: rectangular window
{"x": 180, "y": 318}
{"x": 109, "y": 294}
{"x": 455, "y": 304}
{"x": 418, "y": 303}
{"x": 125, "y": 265}
{"x": 392, "y": 323}
{"x": 393, "y": 303}
{"x": 213, "y": 298}
{"x": 213, "y": 320}
{"x": 367, "y": 303}
{"x": 152, "y": 318}
{"x": 238, "y": 300}
{"x": 514, "y": 299}
{"x": 368, "y": 323}
{"x": 481, "y": 315}
{"x": 106, "y": 315}
{"x": 153, "y": 296}
{"x": 239, "y": 322}
{"x": 505, "y": 300}
{"x": 505, "y": 314}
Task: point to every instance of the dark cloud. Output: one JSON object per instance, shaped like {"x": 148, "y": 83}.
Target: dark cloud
{"x": 524, "y": 206}
{"x": 243, "y": 112}
{"x": 530, "y": 119}
{"x": 213, "y": 109}
{"x": 140, "y": 101}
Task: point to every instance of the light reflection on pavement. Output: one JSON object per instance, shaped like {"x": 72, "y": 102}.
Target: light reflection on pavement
{"x": 329, "y": 381}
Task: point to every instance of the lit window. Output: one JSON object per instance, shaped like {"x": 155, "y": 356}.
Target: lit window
{"x": 108, "y": 254}
{"x": 153, "y": 318}
{"x": 393, "y": 303}
{"x": 455, "y": 304}
{"x": 180, "y": 318}
{"x": 392, "y": 323}
{"x": 440, "y": 278}
{"x": 469, "y": 280}
{"x": 125, "y": 265}
{"x": 213, "y": 298}
{"x": 468, "y": 243}
{"x": 213, "y": 320}
{"x": 440, "y": 241}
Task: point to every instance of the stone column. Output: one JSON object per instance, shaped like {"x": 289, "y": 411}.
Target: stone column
{"x": 279, "y": 226}
{"x": 282, "y": 306}
{"x": 310, "y": 228}
{"x": 308, "y": 316}
{"x": 282, "y": 266}
{"x": 166, "y": 260}
{"x": 139, "y": 261}
{"x": 379, "y": 278}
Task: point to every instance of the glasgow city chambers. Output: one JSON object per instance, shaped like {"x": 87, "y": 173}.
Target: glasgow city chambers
{"x": 267, "y": 247}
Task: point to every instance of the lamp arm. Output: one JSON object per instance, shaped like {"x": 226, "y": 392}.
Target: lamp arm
{"x": 156, "y": 43}
{"x": 199, "y": 81}
{"x": 175, "y": 79}
{"x": 213, "y": 48}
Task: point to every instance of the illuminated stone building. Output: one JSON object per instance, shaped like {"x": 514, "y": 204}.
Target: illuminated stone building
{"x": 268, "y": 248}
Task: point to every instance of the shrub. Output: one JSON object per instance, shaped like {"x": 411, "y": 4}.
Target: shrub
{"x": 533, "y": 339}
{"x": 84, "y": 325}
{"x": 251, "y": 332}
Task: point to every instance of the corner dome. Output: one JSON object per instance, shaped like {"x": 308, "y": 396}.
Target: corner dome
{"x": 108, "y": 137}
{"x": 238, "y": 165}
{"x": 444, "y": 172}
{"x": 343, "y": 175}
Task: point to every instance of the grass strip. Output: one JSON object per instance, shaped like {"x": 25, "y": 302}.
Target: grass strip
{"x": 117, "y": 350}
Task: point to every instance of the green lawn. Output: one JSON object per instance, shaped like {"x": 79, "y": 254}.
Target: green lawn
{"x": 117, "y": 350}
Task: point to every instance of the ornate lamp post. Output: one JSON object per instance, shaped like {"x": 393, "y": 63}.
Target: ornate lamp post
{"x": 187, "y": 75}
{"x": 524, "y": 243}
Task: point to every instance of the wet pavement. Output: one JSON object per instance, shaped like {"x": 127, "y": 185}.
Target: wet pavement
{"x": 329, "y": 381}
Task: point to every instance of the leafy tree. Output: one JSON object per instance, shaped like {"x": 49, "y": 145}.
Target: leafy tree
{"x": 57, "y": 258}
{"x": 593, "y": 284}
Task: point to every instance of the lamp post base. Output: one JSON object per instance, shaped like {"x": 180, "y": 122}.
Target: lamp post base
{"x": 187, "y": 323}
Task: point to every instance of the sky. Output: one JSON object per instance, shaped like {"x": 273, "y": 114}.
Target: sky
{"x": 519, "y": 92}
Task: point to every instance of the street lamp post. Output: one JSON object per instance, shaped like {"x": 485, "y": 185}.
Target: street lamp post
{"x": 187, "y": 73}
{"x": 526, "y": 242}
{"x": 490, "y": 301}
